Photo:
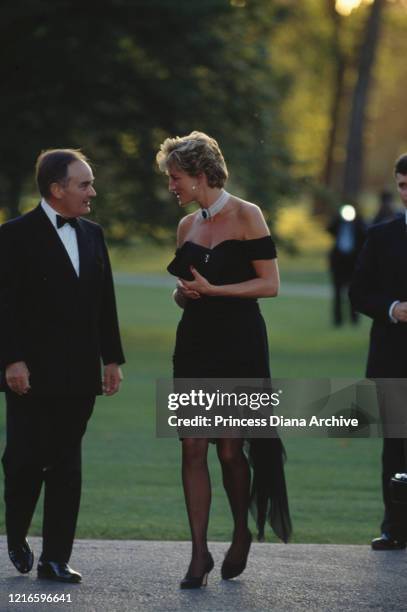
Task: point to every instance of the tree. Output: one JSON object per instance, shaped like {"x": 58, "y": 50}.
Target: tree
{"x": 354, "y": 152}
{"x": 117, "y": 80}
{"x": 321, "y": 54}
{"x": 339, "y": 64}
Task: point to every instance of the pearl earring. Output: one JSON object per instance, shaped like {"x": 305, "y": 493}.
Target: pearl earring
{"x": 193, "y": 187}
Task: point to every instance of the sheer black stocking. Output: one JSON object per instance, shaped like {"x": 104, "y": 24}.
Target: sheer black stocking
{"x": 197, "y": 491}
{"x": 236, "y": 480}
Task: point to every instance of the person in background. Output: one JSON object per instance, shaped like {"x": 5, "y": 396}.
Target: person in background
{"x": 387, "y": 209}
{"x": 349, "y": 232}
{"x": 379, "y": 290}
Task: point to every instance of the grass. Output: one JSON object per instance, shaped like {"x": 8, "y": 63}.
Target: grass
{"x": 132, "y": 485}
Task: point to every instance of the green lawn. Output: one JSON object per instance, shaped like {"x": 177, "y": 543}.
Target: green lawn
{"x": 132, "y": 479}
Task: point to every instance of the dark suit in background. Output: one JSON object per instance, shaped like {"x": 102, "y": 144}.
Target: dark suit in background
{"x": 61, "y": 326}
{"x": 349, "y": 238}
{"x": 381, "y": 279}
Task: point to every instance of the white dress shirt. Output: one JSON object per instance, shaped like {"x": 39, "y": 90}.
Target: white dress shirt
{"x": 66, "y": 233}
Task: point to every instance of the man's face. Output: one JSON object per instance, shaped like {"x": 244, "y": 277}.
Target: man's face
{"x": 401, "y": 180}
{"x": 75, "y": 195}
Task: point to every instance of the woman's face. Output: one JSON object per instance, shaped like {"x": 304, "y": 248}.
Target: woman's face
{"x": 182, "y": 185}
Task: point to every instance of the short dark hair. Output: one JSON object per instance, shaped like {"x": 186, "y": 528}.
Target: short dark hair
{"x": 400, "y": 167}
{"x": 52, "y": 167}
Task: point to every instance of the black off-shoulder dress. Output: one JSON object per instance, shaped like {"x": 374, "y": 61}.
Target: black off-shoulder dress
{"x": 226, "y": 337}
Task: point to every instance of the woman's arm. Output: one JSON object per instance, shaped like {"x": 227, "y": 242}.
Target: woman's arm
{"x": 267, "y": 281}
{"x": 182, "y": 293}
{"x": 266, "y": 284}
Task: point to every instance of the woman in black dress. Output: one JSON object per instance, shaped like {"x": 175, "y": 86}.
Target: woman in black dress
{"x": 226, "y": 252}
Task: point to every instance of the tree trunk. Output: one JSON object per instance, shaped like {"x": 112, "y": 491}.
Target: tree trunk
{"x": 352, "y": 180}
{"x": 339, "y": 59}
{"x": 321, "y": 203}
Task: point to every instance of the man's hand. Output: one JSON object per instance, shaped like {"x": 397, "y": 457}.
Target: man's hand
{"x": 18, "y": 377}
{"x": 400, "y": 312}
{"x": 112, "y": 377}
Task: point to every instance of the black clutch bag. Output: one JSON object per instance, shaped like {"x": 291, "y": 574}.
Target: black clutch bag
{"x": 398, "y": 488}
{"x": 181, "y": 266}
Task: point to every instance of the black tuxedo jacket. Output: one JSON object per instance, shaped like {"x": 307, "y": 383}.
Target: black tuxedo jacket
{"x": 59, "y": 324}
{"x": 380, "y": 279}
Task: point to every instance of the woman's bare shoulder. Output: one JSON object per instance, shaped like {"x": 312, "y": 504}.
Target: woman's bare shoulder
{"x": 252, "y": 219}
{"x": 184, "y": 226}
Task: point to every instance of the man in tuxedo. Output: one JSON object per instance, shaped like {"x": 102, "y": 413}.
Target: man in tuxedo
{"x": 58, "y": 321}
{"x": 379, "y": 290}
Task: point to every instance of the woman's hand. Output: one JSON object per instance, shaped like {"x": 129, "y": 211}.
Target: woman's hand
{"x": 199, "y": 285}
{"x": 185, "y": 291}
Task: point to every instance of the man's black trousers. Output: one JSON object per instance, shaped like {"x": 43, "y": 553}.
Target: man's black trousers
{"x": 43, "y": 445}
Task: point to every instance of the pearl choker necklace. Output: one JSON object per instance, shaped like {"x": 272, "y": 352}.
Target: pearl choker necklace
{"x": 213, "y": 209}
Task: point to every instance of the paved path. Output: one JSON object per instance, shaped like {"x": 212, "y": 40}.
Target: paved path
{"x": 132, "y": 576}
{"x": 288, "y": 289}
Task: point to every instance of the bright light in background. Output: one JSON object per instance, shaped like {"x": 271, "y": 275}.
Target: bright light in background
{"x": 347, "y": 212}
{"x": 345, "y": 7}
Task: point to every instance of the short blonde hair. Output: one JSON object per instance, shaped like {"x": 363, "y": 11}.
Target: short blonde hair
{"x": 194, "y": 154}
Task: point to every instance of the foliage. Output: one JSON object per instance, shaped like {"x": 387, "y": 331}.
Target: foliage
{"x": 308, "y": 53}
{"x": 272, "y": 80}
{"x": 117, "y": 78}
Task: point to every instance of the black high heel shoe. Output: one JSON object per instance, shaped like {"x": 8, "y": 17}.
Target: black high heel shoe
{"x": 196, "y": 582}
{"x": 231, "y": 570}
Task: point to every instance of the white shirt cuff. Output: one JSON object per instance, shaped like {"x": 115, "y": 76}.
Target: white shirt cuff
{"x": 392, "y": 319}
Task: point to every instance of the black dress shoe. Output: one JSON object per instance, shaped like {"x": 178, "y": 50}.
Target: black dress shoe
{"x": 61, "y": 572}
{"x": 22, "y": 557}
{"x": 231, "y": 570}
{"x": 385, "y": 542}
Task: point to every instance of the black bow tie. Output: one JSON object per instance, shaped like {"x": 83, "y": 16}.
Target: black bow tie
{"x": 73, "y": 222}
